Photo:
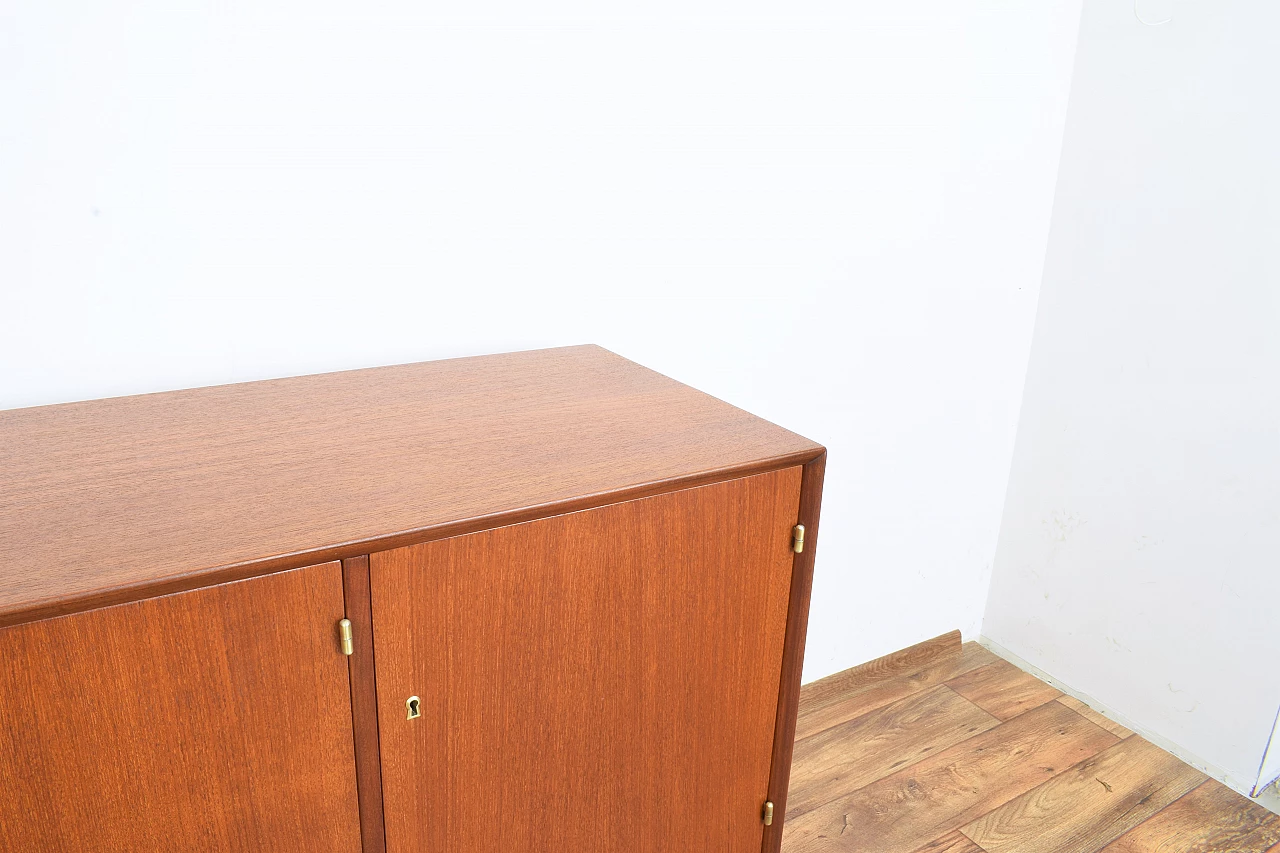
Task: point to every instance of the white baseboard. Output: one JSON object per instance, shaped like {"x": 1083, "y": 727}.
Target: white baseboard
{"x": 1268, "y": 799}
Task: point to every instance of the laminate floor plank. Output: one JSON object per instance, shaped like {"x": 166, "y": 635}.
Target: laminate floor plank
{"x": 857, "y": 752}
{"x": 952, "y": 842}
{"x": 822, "y": 692}
{"x": 871, "y": 696}
{"x": 873, "y": 772}
{"x": 1090, "y": 805}
{"x": 1094, "y": 717}
{"x": 952, "y": 788}
{"x": 1003, "y": 690}
{"x": 1210, "y": 819}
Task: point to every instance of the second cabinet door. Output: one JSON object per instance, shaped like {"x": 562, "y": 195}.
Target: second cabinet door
{"x": 605, "y": 680}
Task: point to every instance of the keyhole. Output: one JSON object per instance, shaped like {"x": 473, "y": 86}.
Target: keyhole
{"x": 414, "y": 712}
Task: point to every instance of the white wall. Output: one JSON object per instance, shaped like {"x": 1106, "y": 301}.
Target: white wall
{"x": 833, "y": 214}
{"x": 1137, "y": 560}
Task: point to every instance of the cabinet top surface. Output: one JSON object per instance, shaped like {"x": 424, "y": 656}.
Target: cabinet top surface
{"x": 110, "y": 500}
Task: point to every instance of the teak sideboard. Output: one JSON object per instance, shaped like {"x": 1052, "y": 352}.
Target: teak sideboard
{"x": 544, "y": 601}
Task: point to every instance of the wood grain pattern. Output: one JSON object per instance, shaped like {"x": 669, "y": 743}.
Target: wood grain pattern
{"x": 1094, "y": 717}
{"x": 784, "y": 726}
{"x": 1210, "y": 819}
{"x": 1082, "y": 808}
{"x": 845, "y": 757}
{"x": 1090, "y": 805}
{"x": 819, "y": 693}
{"x": 952, "y": 842}
{"x": 939, "y": 794}
{"x": 1003, "y": 690}
{"x": 116, "y": 500}
{"x": 871, "y": 695}
{"x": 364, "y": 703}
{"x": 601, "y": 680}
{"x": 216, "y": 720}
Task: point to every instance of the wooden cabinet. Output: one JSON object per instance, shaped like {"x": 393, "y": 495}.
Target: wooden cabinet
{"x": 573, "y": 588}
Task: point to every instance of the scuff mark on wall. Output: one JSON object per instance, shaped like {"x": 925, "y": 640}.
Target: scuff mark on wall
{"x": 1061, "y": 524}
{"x": 1195, "y": 703}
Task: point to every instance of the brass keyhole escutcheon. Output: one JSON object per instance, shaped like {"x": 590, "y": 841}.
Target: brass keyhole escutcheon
{"x": 413, "y": 708}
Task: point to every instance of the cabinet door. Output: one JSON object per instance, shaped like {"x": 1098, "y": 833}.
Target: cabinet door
{"x": 600, "y": 681}
{"x": 213, "y": 720}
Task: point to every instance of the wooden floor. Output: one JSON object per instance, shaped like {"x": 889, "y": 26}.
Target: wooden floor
{"x": 946, "y": 748}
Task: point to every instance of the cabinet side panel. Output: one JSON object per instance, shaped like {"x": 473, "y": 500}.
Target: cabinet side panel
{"x": 784, "y": 734}
{"x": 605, "y": 680}
{"x": 214, "y": 720}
